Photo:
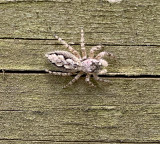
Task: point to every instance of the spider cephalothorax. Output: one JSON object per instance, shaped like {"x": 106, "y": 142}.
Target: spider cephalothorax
{"x": 73, "y": 62}
{"x": 91, "y": 65}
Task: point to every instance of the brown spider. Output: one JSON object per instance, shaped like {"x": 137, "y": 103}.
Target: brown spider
{"x": 73, "y": 62}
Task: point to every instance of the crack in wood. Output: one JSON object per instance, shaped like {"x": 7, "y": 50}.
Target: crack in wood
{"x": 112, "y": 75}
{"x": 80, "y": 141}
{"x": 87, "y": 44}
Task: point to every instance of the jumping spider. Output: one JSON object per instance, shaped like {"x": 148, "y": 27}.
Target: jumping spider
{"x": 73, "y": 62}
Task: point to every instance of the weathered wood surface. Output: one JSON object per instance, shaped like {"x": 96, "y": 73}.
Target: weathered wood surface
{"x": 29, "y": 55}
{"x": 127, "y": 110}
{"x": 35, "y": 109}
{"x": 133, "y": 22}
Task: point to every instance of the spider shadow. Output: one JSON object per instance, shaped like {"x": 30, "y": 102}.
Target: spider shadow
{"x": 83, "y": 87}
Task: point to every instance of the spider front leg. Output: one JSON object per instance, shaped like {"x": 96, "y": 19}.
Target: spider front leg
{"x": 74, "y": 80}
{"x": 88, "y": 80}
{"x": 83, "y": 50}
{"x": 102, "y": 54}
{"x": 93, "y": 49}
{"x": 71, "y": 49}
{"x": 99, "y": 79}
{"x": 59, "y": 73}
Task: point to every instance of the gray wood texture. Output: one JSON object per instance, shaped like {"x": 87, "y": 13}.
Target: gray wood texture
{"x": 132, "y": 22}
{"x": 125, "y": 110}
{"x": 33, "y": 106}
{"x": 30, "y": 55}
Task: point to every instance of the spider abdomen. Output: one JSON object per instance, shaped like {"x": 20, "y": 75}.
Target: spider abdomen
{"x": 64, "y": 59}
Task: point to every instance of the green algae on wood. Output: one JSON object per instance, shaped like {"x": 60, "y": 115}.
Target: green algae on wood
{"x": 134, "y": 22}
{"x": 35, "y": 107}
{"x": 29, "y": 55}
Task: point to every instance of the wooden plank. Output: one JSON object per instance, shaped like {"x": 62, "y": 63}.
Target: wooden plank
{"x": 19, "y": 1}
{"x": 35, "y": 108}
{"x": 52, "y": 142}
{"x": 133, "y": 22}
{"x": 29, "y": 55}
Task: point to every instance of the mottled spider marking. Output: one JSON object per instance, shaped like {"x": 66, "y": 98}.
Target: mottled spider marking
{"x": 64, "y": 59}
{"x": 73, "y": 62}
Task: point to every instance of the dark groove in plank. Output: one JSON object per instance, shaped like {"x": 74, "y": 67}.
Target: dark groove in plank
{"x": 131, "y": 76}
{"x": 87, "y": 44}
{"x": 11, "y": 110}
{"x": 81, "y": 141}
{"x": 112, "y": 75}
{"x": 25, "y": 38}
{"x": 33, "y": 1}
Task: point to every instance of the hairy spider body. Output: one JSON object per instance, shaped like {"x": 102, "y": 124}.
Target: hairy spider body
{"x": 72, "y": 62}
{"x": 64, "y": 60}
{"x": 90, "y": 65}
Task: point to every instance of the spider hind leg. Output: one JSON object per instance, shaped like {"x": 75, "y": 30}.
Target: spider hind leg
{"x": 74, "y": 80}
{"x": 59, "y": 73}
{"x": 88, "y": 80}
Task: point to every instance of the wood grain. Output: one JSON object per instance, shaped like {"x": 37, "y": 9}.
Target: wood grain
{"x": 35, "y": 107}
{"x": 29, "y": 55}
{"x": 133, "y": 22}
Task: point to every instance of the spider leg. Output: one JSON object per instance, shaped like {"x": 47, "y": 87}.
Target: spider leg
{"x": 102, "y": 54}
{"x": 102, "y": 72}
{"x": 59, "y": 73}
{"x": 88, "y": 80}
{"x": 83, "y": 50}
{"x": 74, "y": 80}
{"x": 99, "y": 79}
{"x": 93, "y": 49}
{"x": 71, "y": 49}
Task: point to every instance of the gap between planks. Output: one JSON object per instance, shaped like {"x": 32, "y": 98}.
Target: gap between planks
{"x": 87, "y": 44}
{"x": 112, "y": 75}
{"x": 92, "y": 141}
